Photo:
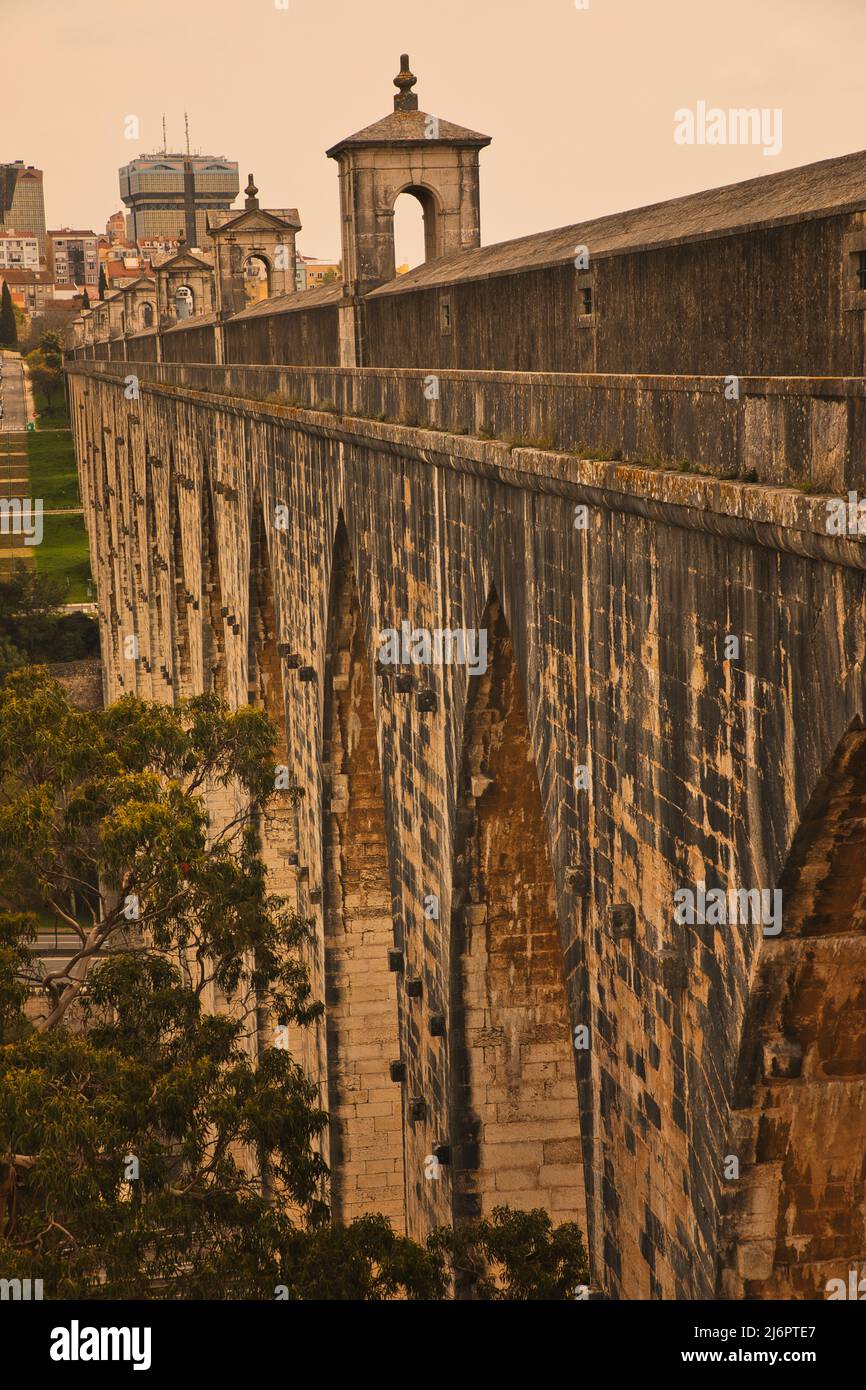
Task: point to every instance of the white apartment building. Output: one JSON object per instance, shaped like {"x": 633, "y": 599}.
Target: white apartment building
{"x": 18, "y": 251}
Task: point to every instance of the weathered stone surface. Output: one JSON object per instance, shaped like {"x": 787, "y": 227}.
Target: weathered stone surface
{"x": 702, "y": 767}
{"x": 82, "y": 681}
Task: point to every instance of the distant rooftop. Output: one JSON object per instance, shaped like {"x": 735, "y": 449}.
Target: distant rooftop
{"x": 27, "y": 277}
{"x": 166, "y": 154}
{"x": 293, "y": 303}
{"x": 218, "y": 219}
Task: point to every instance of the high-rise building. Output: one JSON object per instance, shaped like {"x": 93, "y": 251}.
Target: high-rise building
{"x": 74, "y": 257}
{"x": 22, "y": 204}
{"x": 170, "y": 193}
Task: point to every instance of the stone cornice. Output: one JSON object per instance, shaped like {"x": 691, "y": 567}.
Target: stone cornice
{"x": 776, "y": 518}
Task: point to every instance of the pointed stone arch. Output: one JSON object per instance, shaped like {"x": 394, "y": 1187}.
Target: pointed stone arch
{"x": 264, "y": 668}
{"x": 215, "y": 676}
{"x": 181, "y": 665}
{"x": 365, "y": 1105}
{"x": 113, "y": 618}
{"x": 266, "y": 691}
{"x": 149, "y": 639}
{"x": 514, "y": 1097}
{"x": 141, "y": 503}
{"x": 796, "y": 1216}
{"x": 120, "y": 474}
{"x": 276, "y": 824}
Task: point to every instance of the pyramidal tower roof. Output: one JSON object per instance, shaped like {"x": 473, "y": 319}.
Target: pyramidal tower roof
{"x": 406, "y": 125}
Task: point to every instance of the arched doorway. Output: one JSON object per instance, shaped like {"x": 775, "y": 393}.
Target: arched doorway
{"x": 415, "y": 228}
{"x": 257, "y": 279}
{"x": 147, "y": 314}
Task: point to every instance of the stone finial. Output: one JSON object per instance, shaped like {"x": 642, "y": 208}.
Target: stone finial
{"x": 252, "y": 201}
{"x": 405, "y": 100}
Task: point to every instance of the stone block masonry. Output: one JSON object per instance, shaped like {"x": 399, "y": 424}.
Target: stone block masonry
{"x": 615, "y": 751}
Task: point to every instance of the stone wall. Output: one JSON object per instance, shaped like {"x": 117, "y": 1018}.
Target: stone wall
{"x": 189, "y": 342}
{"x": 761, "y": 302}
{"x": 81, "y": 680}
{"x": 804, "y": 432}
{"x": 758, "y": 302}
{"x": 629, "y": 754}
{"x": 296, "y": 335}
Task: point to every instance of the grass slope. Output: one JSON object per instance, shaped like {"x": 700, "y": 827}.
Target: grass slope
{"x": 64, "y": 552}
{"x": 53, "y": 475}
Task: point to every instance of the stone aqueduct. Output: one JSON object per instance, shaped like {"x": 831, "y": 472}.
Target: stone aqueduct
{"x": 491, "y": 859}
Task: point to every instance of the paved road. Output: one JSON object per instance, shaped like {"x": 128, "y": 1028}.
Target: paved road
{"x": 12, "y": 396}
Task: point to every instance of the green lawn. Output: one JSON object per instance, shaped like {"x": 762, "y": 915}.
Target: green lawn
{"x": 54, "y": 417}
{"x": 64, "y": 555}
{"x": 53, "y": 475}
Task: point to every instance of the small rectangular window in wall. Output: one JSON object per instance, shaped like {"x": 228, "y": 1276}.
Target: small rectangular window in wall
{"x": 854, "y": 271}
{"x": 445, "y": 315}
{"x": 586, "y": 299}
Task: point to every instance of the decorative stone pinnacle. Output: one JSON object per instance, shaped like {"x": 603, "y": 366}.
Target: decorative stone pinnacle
{"x": 252, "y": 201}
{"x": 405, "y": 100}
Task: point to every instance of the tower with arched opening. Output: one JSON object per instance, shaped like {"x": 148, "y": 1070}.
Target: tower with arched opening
{"x": 255, "y": 253}
{"x": 408, "y": 151}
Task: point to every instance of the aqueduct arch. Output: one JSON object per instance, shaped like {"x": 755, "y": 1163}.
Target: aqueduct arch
{"x": 365, "y": 1104}
{"x": 213, "y": 625}
{"x": 796, "y": 1214}
{"x": 513, "y": 1085}
{"x": 182, "y": 672}
{"x": 266, "y": 692}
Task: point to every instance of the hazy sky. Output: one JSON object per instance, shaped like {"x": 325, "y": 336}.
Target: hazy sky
{"x": 580, "y": 102}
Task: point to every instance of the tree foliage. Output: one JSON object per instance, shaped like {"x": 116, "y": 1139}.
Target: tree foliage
{"x": 103, "y": 822}
{"x": 32, "y": 627}
{"x": 515, "y": 1255}
{"x": 45, "y": 365}
{"x": 154, "y": 1141}
{"x": 52, "y": 347}
{"x": 8, "y": 322}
